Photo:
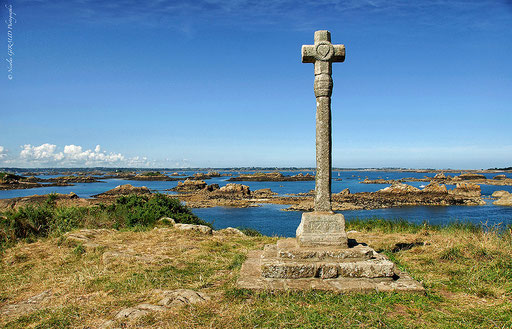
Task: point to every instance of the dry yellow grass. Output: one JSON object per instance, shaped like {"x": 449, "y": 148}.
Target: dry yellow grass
{"x": 466, "y": 275}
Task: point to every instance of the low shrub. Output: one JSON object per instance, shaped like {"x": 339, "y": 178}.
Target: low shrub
{"x": 145, "y": 211}
{"x": 249, "y": 231}
{"x": 130, "y": 212}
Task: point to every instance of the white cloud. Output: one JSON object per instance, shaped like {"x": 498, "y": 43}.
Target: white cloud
{"x": 72, "y": 156}
{"x": 42, "y": 153}
{"x": 75, "y": 154}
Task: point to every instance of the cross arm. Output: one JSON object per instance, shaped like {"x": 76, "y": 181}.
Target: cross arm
{"x": 308, "y": 54}
{"x": 339, "y": 53}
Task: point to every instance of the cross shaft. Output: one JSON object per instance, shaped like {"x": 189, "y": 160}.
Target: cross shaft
{"x": 323, "y": 53}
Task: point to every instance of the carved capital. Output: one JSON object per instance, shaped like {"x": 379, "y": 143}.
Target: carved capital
{"x": 323, "y": 85}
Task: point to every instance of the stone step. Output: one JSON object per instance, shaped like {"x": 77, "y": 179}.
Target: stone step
{"x": 290, "y": 249}
{"x": 251, "y": 278}
{"x": 289, "y": 269}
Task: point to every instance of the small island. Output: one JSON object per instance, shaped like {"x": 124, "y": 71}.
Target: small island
{"x": 272, "y": 177}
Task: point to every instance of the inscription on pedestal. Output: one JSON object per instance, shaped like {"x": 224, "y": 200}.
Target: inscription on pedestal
{"x": 324, "y": 226}
{"x": 322, "y": 229}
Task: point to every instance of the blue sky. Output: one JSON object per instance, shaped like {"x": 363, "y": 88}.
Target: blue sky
{"x": 220, "y": 83}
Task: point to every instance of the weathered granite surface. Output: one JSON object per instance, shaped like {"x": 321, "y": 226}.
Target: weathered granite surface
{"x": 323, "y": 53}
{"x": 251, "y": 278}
{"x": 288, "y": 260}
{"x": 322, "y": 229}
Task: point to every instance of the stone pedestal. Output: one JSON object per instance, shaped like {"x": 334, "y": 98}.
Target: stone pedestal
{"x": 287, "y": 260}
{"x": 322, "y": 229}
{"x": 288, "y": 266}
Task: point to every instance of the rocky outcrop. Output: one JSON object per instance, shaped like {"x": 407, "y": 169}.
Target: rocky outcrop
{"x": 203, "y": 229}
{"x": 272, "y": 177}
{"x": 30, "y": 179}
{"x": 399, "y": 188}
{"x": 125, "y": 189}
{"x": 119, "y": 175}
{"x": 302, "y": 177}
{"x": 441, "y": 178}
{"x": 396, "y": 195}
{"x": 471, "y": 176}
{"x": 144, "y": 176}
{"x": 169, "y": 299}
{"x": 199, "y": 176}
{"x": 263, "y": 193}
{"x": 378, "y": 181}
{"x": 208, "y": 175}
{"x": 309, "y": 193}
{"x": 469, "y": 190}
{"x": 505, "y": 200}
{"x": 152, "y": 176}
{"x": 27, "y": 306}
{"x": 19, "y": 185}
{"x": 60, "y": 199}
{"x": 500, "y": 194}
{"x": 434, "y": 187}
{"x": 198, "y": 194}
{"x": 6, "y": 178}
{"x": 399, "y": 195}
{"x": 182, "y": 297}
{"x": 15, "y": 182}
{"x": 72, "y": 179}
{"x": 233, "y": 190}
{"x": 190, "y": 186}
{"x": 208, "y": 202}
{"x": 229, "y": 231}
{"x": 86, "y": 237}
{"x": 344, "y": 192}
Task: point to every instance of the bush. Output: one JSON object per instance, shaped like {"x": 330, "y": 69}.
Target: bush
{"x": 250, "y": 231}
{"x": 133, "y": 211}
{"x": 145, "y": 211}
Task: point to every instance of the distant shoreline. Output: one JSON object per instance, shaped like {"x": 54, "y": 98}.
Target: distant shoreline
{"x": 247, "y": 169}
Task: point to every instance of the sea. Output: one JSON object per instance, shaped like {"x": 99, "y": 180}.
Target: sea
{"x": 272, "y": 220}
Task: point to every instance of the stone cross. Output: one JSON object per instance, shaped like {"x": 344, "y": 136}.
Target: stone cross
{"x": 323, "y": 53}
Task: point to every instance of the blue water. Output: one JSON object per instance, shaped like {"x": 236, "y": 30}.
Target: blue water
{"x": 271, "y": 220}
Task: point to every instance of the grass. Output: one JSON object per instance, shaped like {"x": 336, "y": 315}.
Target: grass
{"x": 404, "y": 226}
{"x": 467, "y": 272}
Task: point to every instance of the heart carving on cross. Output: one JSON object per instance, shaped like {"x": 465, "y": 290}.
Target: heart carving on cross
{"x": 323, "y": 50}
